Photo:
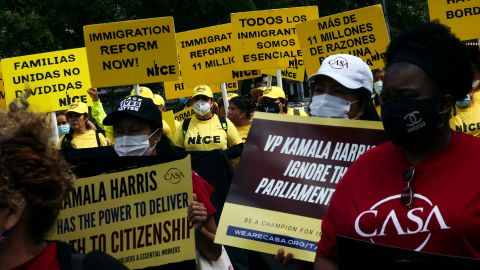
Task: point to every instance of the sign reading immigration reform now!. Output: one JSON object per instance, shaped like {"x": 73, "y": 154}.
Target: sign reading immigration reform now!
{"x": 287, "y": 175}
{"x": 360, "y": 32}
{"x": 463, "y": 16}
{"x": 56, "y": 79}
{"x": 132, "y": 52}
{"x": 138, "y": 216}
{"x": 267, "y": 38}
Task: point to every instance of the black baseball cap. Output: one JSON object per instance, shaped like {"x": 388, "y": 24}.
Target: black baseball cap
{"x": 136, "y": 106}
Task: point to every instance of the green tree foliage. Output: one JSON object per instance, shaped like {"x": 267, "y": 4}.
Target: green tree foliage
{"x": 29, "y": 26}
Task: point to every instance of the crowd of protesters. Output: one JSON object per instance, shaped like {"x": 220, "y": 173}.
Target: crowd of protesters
{"x": 428, "y": 73}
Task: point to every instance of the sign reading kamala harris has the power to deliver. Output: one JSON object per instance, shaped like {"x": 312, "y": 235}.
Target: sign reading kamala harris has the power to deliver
{"x": 138, "y": 216}
{"x": 56, "y": 79}
{"x": 361, "y": 32}
{"x": 463, "y": 16}
{"x": 282, "y": 202}
{"x": 267, "y": 39}
{"x": 132, "y": 52}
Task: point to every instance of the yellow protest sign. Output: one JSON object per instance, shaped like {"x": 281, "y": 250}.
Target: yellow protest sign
{"x": 246, "y": 74}
{"x": 3, "y": 103}
{"x": 206, "y": 55}
{"x": 290, "y": 73}
{"x": 138, "y": 216}
{"x": 360, "y": 32}
{"x": 178, "y": 89}
{"x": 187, "y": 112}
{"x": 132, "y": 52}
{"x": 56, "y": 79}
{"x": 462, "y": 16}
{"x": 267, "y": 38}
{"x": 170, "y": 119}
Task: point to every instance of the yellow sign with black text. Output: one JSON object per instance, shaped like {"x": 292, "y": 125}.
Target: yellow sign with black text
{"x": 132, "y": 52}
{"x": 206, "y": 55}
{"x": 56, "y": 79}
{"x": 290, "y": 73}
{"x": 267, "y": 38}
{"x": 138, "y": 216}
{"x": 184, "y": 114}
{"x": 462, "y": 16}
{"x": 169, "y": 117}
{"x": 360, "y": 32}
{"x": 3, "y": 102}
{"x": 178, "y": 89}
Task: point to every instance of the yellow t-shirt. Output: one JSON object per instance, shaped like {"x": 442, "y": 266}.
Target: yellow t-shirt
{"x": 167, "y": 130}
{"x": 206, "y": 135}
{"x": 467, "y": 120}
{"x": 85, "y": 140}
{"x": 291, "y": 111}
{"x": 243, "y": 132}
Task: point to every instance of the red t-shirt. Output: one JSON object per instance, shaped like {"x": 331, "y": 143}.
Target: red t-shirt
{"x": 204, "y": 191}
{"x": 444, "y": 219}
{"x": 47, "y": 260}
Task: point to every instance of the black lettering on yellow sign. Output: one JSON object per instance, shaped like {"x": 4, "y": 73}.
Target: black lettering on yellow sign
{"x": 168, "y": 203}
{"x": 294, "y": 63}
{"x": 129, "y": 47}
{"x": 271, "y": 55}
{"x": 114, "y": 214}
{"x": 65, "y": 225}
{"x": 231, "y": 85}
{"x": 346, "y": 32}
{"x": 289, "y": 74}
{"x": 241, "y": 74}
{"x": 133, "y": 184}
{"x": 267, "y": 33}
{"x": 468, "y": 127}
{"x": 276, "y": 43}
{"x": 210, "y": 51}
{"x": 119, "y": 64}
{"x": 85, "y": 195}
{"x": 205, "y": 40}
{"x": 179, "y": 86}
{"x": 44, "y": 62}
{"x": 33, "y": 77}
{"x": 2, "y": 95}
{"x": 203, "y": 140}
{"x": 270, "y": 20}
{"x": 150, "y": 235}
{"x": 130, "y": 33}
{"x": 465, "y": 12}
{"x": 78, "y": 245}
{"x": 71, "y": 99}
{"x": 47, "y": 89}
{"x": 219, "y": 62}
{"x": 185, "y": 115}
{"x": 157, "y": 70}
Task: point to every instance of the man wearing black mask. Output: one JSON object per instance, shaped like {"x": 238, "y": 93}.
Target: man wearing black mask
{"x": 273, "y": 100}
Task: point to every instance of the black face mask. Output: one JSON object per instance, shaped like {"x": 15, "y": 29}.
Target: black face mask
{"x": 406, "y": 120}
{"x": 269, "y": 107}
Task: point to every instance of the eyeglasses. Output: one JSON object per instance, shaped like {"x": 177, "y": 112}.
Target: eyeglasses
{"x": 406, "y": 198}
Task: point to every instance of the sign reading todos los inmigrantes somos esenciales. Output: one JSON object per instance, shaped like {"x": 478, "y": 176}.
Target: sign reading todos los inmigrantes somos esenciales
{"x": 132, "y": 52}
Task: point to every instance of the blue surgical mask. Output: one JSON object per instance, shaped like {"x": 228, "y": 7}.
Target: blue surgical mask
{"x": 464, "y": 102}
{"x": 63, "y": 129}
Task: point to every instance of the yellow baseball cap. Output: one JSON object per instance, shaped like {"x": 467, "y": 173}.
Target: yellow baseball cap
{"x": 257, "y": 90}
{"x": 143, "y": 92}
{"x": 78, "y": 107}
{"x": 272, "y": 92}
{"x": 158, "y": 100}
{"x": 229, "y": 96}
{"x": 204, "y": 90}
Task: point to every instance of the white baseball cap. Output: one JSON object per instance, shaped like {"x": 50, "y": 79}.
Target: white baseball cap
{"x": 348, "y": 70}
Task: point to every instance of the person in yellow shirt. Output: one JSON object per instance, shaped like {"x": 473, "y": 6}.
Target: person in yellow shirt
{"x": 221, "y": 108}
{"x": 98, "y": 113}
{"x": 466, "y": 116}
{"x": 240, "y": 112}
{"x": 80, "y": 135}
{"x": 273, "y": 100}
{"x": 207, "y": 131}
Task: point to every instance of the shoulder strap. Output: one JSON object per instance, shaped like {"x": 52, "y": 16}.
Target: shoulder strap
{"x": 185, "y": 124}
{"x": 98, "y": 139}
{"x": 223, "y": 122}
{"x": 296, "y": 112}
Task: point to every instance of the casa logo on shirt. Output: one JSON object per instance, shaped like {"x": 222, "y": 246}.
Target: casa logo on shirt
{"x": 203, "y": 139}
{"x": 173, "y": 176}
{"x": 384, "y": 222}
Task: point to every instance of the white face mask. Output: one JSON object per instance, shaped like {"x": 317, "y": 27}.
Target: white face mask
{"x": 326, "y": 105}
{"x": 377, "y": 87}
{"x": 201, "y": 107}
{"x": 137, "y": 145}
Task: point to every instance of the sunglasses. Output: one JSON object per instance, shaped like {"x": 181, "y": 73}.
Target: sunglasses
{"x": 406, "y": 197}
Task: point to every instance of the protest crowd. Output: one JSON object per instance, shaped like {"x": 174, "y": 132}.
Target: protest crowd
{"x": 375, "y": 168}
